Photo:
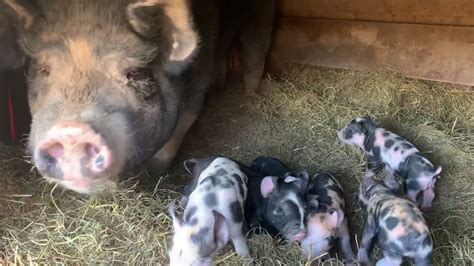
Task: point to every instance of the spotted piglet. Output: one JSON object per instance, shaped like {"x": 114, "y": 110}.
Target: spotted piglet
{"x": 213, "y": 214}
{"x": 325, "y": 219}
{"x": 275, "y": 202}
{"x": 384, "y": 148}
{"x": 398, "y": 223}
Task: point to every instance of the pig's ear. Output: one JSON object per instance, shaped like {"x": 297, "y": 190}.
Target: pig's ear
{"x": 268, "y": 185}
{"x": 438, "y": 170}
{"x": 301, "y": 180}
{"x": 221, "y": 233}
{"x": 25, "y": 11}
{"x": 177, "y": 220}
{"x": 314, "y": 203}
{"x": 304, "y": 177}
{"x": 336, "y": 217}
{"x": 189, "y": 165}
{"x": 184, "y": 39}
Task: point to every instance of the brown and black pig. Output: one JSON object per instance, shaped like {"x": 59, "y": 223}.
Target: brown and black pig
{"x": 398, "y": 224}
{"x": 326, "y": 222}
{"x": 384, "y": 148}
{"x": 114, "y": 83}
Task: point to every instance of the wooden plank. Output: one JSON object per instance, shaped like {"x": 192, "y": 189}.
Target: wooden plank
{"x": 444, "y": 12}
{"x": 443, "y": 53}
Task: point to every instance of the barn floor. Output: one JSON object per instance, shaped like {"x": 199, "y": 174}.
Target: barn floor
{"x": 295, "y": 120}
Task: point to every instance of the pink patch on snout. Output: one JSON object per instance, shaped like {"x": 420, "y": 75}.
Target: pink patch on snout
{"x": 77, "y": 151}
{"x": 299, "y": 236}
{"x": 358, "y": 140}
{"x": 398, "y": 231}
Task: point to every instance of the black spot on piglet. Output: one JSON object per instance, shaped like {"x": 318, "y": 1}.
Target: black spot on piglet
{"x": 200, "y": 237}
{"x": 427, "y": 241}
{"x": 391, "y": 222}
{"x": 413, "y": 185}
{"x": 236, "y": 211}
{"x": 210, "y": 200}
{"x": 190, "y": 213}
{"x": 407, "y": 145}
{"x": 221, "y": 172}
{"x": 389, "y": 144}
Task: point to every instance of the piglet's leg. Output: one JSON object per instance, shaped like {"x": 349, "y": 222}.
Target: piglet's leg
{"x": 412, "y": 194}
{"x": 390, "y": 181}
{"x": 373, "y": 166}
{"x": 367, "y": 236}
{"x": 428, "y": 196}
{"x": 425, "y": 261}
{"x": 239, "y": 241}
{"x": 389, "y": 260}
{"x": 345, "y": 241}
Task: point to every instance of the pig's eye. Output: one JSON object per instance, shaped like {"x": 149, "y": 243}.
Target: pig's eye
{"x": 278, "y": 211}
{"x": 44, "y": 69}
{"x": 138, "y": 73}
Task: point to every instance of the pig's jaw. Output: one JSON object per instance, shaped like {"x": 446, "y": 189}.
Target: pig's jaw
{"x": 356, "y": 140}
{"x": 315, "y": 244}
{"x": 84, "y": 186}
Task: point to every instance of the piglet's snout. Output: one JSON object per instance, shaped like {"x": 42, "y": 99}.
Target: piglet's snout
{"x": 299, "y": 236}
{"x": 72, "y": 150}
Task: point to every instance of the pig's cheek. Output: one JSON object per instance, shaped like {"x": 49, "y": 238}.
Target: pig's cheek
{"x": 358, "y": 140}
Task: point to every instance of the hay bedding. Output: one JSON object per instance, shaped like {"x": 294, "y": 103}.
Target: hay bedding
{"x": 296, "y": 120}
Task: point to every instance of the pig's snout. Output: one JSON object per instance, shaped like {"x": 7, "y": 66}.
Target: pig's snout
{"x": 299, "y": 236}
{"x": 73, "y": 151}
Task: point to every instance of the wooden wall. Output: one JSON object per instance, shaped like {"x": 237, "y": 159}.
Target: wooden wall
{"x": 430, "y": 39}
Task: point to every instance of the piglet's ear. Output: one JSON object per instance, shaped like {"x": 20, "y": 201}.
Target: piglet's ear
{"x": 177, "y": 220}
{"x": 268, "y": 185}
{"x": 438, "y": 171}
{"x": 290, "y": 179}
{"x": 221, "y": 233}
{"x": 314, "y": 203}
{"x": 189, "y": 165}
{"x": 301, "y": 180}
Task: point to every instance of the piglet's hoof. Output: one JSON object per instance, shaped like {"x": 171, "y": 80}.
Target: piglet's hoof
{"x": 363, "y": 258}
{"x": 426, "y": 209}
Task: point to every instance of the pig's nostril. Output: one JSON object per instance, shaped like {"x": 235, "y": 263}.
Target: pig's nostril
{"x": 92, "y": 150}
{"x": 47, "y": 160}
{"x": 100, "y": 162}
{"x": 55, "y": 151}
{"x": 96, "y": 156}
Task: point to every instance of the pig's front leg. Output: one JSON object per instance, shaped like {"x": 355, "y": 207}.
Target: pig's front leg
{"x": 238, "y": 239}
{"x": 389, "y": 260}
{"x": 345, "y": 241}
{"x": 390, "y": 180}
{"x": 165, "y": 155}
{"x": 373, "y": 166}
{"x": 370, "y": 230}
{"x": 428, "y": 197}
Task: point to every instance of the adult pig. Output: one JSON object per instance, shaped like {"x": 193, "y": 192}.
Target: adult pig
{"x": 114, "y": 83}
